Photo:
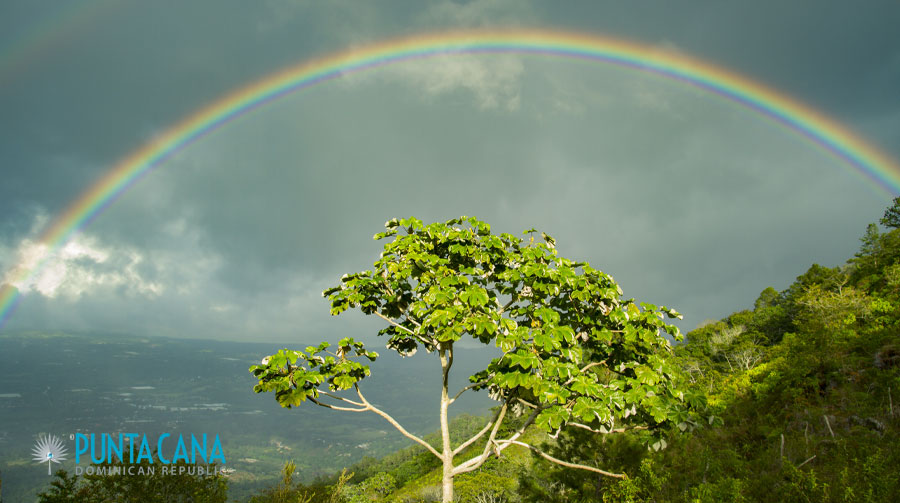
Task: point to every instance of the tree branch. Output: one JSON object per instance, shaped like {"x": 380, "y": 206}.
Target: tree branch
{"x": 511, "y": 302}
{"x": 527, "y": 404}
{"x": 392, "y": 322}
{"x": 585, "y": 369}
{"x": 479, "y": 383}
{"x": 564, "y": 463}
{"x": 593, "y": 364}
{"x": 449, "y": 365}
{"x": 807, "y": 461}
{"x": 420, "y": 338}
{"x": 478, "y": 435}
{"x": 335, "y": 407}
{"x": 614, "y": 430}
{"x": 476, "y": 462}
{"x": 395, "y": 424}
{"x": 336, "y": 397}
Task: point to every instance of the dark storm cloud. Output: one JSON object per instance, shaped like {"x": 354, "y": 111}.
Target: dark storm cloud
{"x": 670, "y": 201}
{"x": 842, "y": 57}
{"x": 110, "y": 85}
{"x": 687, "y": 200}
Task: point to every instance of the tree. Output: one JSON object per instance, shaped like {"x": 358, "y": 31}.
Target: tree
{"x": 891, "y": 216}
{"x": 573, "y": 352}
{"x": 64, "y": 489}
{"x": 287, "y": 490}
{"x": 866, "y": 260}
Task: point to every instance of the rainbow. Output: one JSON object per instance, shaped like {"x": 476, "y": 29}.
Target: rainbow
{"x": 797, "y": 118}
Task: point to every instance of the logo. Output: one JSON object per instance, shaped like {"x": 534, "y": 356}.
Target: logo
{"x": 135, "y": 454}
{"x": 49, "y": 449}
{"x": 106, "y": 448}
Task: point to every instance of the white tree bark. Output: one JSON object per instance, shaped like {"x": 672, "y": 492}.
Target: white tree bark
{"x": 446, "y": 353}
{"x": 493, "y": 446}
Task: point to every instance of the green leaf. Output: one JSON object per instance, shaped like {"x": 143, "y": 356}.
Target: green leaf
{"x": 552, "y": 418}
{"x": 475, "y": 296}
{"x": 645, "y": 375}
{"x": 564, "y": 334}
{"x": 547, "y": 315}
{"x": 343, "y": 381}
{"x": 523, "y": 359}
{"x": 545, "y": 341}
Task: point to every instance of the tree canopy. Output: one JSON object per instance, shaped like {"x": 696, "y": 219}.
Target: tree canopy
{"x": 573, "y": 352}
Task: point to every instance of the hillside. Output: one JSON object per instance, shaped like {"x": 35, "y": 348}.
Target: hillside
{"x": 801, "y": 392}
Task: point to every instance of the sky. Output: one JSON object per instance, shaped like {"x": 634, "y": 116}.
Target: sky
{"x": 685, "y": 198}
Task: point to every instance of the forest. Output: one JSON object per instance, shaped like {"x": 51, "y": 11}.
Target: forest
{"x": 790, "y": 400}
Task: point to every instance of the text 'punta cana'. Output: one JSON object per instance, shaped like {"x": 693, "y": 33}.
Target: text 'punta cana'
{"x": 104, "y": 448}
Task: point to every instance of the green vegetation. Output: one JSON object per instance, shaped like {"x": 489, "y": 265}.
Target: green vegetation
{"x": 575, "y": 354}
{"x": 891, "y": 216}
{"x": 799, "y": 395}
{"x": 291, "y": 491}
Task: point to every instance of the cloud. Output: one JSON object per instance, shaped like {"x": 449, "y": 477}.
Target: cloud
{"x": 575, "y": 88}
{"x": 494, "y": 81}
{"x": 82, "y": 266}
{"x": 237, "y": 235}
{"x": 171, "y": 286}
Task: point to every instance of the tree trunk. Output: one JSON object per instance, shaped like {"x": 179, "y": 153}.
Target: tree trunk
{"x": 446, "y": 353}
